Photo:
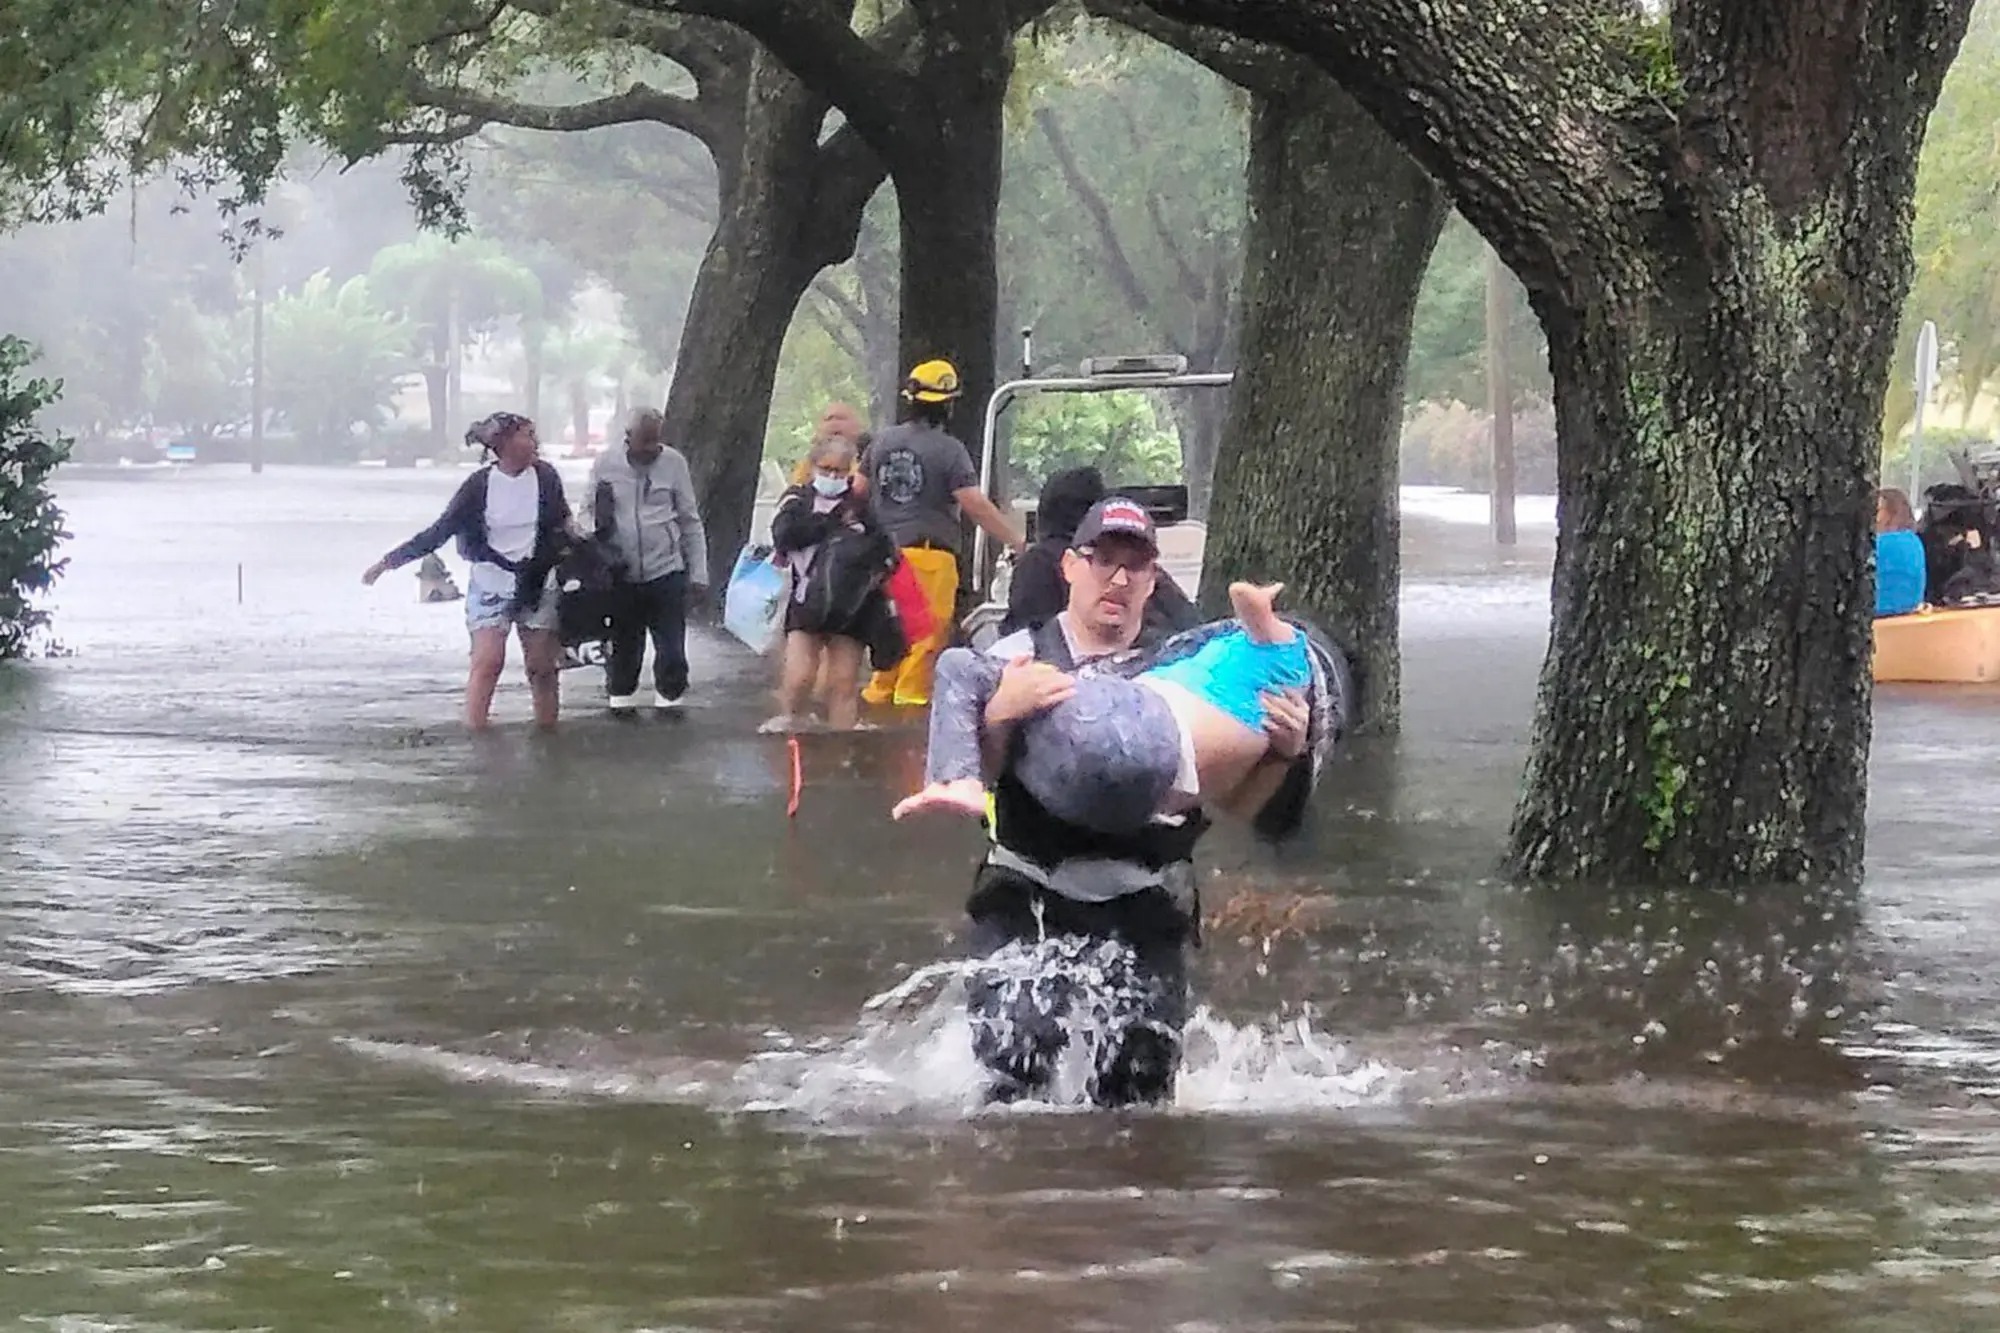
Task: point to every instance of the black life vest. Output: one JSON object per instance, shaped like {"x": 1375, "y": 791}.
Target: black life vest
{"x": 1023, "y": 826}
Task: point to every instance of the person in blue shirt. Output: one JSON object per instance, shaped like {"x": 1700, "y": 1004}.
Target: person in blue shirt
{"x": 1899, "y": 555}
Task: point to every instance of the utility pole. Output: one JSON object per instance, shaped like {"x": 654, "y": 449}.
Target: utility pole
{"x": 257, "y": 357}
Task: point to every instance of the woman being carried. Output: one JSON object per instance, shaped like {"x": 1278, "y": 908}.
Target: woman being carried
{"x": 1117, "y": 750}
{"x": 839, "y": 559}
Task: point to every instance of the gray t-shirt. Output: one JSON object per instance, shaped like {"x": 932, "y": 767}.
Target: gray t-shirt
{"x": 913, "y": 469}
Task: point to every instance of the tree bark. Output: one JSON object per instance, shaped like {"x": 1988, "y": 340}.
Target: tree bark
{"x": 1305, "y": 486}
{"x": 1716, "y": 238}
{"x": 791, "y": 206}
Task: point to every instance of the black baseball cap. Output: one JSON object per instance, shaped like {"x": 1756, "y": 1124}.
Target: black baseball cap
{"x": 1116, "y": 515}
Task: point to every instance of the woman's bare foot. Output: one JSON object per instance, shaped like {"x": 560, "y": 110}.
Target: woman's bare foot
{"x": 967, "y": 796}
{"x": 1253, "y": 605}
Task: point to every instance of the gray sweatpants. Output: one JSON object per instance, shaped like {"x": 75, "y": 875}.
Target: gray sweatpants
{"x": 1105, "y": 759}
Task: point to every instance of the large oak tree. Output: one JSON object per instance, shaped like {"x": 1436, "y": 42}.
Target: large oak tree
{"x": 1711, "y": 214}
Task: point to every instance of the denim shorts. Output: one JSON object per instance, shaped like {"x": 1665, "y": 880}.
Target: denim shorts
{"x": 485, "y": 609}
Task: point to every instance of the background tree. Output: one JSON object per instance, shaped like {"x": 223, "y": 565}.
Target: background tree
{"x": 451, "y": 292}
{"x": 1716, "y": 240}
{"x": 197, "y": 372}
{"x": 1123, "y": 435}
{"x": 1957, "y": 257}
{"x": 1123, "y": 218}
{"x": 335, "y": 360}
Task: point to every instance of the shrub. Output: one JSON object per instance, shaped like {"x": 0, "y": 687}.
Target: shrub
{"x": 31, "y": 527}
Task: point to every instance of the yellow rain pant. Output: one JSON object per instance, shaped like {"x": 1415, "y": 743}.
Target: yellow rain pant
{"x": 908, "y": 684}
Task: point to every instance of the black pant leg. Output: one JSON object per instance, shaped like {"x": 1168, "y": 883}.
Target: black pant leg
{"x": 628, "y": 639}
{"x": 667, "y": 619}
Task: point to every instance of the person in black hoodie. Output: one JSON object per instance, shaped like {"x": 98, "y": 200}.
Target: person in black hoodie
{"x": 512, "y": 524}
{"x": 1039, "y": 592}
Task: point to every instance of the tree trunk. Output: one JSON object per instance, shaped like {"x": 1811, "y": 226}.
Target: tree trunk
{"x": 1716, "y": 240}
{"x": 1305, "y": 486}
{"x": 1704, "y": 709}
{"x": 1202, "y": 414}
{"x": 951, "y": 288}
{"x": 436, "y": 386}
{"x": 948, "y": 207}
{"x": 790, "y": 207}
{"x": 876, "y": 293}
{"x": 579, "y": 410}
{"x": 532, "y": 345}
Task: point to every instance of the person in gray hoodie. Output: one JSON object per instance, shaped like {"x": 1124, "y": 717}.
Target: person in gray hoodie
{"x": 644, "y": 515}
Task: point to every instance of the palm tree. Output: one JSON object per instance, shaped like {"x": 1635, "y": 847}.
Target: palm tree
{"x": 453, "y": 291}
{"x": 579, "y": 358}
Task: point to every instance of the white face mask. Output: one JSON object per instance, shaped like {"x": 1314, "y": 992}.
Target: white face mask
{"x": 830, "y": 486}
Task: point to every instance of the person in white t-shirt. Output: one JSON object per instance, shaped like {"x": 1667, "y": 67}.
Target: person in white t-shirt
{"x": 511, "y": 522}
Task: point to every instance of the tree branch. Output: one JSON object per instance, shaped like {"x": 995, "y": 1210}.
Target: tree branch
{"x": 1122, "y": 274}
{"x": 450, "y": 134}
{"x": 716, "y": 54}
{"x": 1504, "y": 105}
{"x": 846, "y": 174}
{"x": 816, "y": 43}
{"x": 1252, "y": 66}
{"x": 638, "y": 103}
{"x": 477, "y": 26}
{"x": 849, "y": 314}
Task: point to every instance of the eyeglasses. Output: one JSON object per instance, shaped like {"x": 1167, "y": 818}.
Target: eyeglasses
{"x": 1104, "y": 564}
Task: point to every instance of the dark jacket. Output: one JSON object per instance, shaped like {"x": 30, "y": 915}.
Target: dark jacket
{"x": 1039, "y": 592}
{"x": 464, "y": 518}
{"x": 844, "y": 590}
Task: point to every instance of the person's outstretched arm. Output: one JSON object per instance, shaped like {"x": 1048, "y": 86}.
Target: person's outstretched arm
{"x": 437, "y": 534}
{"x": 988, "y": 516}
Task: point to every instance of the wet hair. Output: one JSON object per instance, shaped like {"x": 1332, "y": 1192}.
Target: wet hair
{"x": 1066, "y": 497}
{"x": 832, "y": 450}
{"x": 488, "y": 432}
{"x": 1901, "y": 518}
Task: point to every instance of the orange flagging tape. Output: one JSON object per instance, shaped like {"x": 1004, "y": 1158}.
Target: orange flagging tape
{"x": 798, "y": 777}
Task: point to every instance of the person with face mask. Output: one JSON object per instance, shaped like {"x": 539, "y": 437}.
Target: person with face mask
{"x": 644, "y": 513}
{"x": 840, "y": 559}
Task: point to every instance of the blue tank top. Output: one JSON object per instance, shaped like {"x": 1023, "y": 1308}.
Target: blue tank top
{"x": 1231, "y": 672}
{"x": 1899, "y": 573}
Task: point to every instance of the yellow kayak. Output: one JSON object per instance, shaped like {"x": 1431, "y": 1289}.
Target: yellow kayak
{"x": 1946, "y": 645}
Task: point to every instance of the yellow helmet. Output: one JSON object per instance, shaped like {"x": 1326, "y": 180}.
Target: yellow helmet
{"x": 932, "y": 382}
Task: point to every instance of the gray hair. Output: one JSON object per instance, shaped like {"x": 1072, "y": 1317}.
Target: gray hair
{"x": 647, "y": 423}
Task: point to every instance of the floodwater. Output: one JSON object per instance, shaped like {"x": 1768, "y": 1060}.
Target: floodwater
{"x": 319, "y": 1014}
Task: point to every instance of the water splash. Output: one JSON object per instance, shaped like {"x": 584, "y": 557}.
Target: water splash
{"x": 910, "y": 1055}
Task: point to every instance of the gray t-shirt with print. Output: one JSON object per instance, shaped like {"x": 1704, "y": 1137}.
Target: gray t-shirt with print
{"x": 913, "y": 470}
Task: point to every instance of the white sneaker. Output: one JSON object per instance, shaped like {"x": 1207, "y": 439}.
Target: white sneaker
{"x": 623, "y": 703}
{"x": 662, "y": 701}
{"x": 778, "y": 725}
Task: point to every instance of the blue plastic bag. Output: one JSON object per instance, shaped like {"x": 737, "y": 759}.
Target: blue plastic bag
{"x": 754, "y": 607}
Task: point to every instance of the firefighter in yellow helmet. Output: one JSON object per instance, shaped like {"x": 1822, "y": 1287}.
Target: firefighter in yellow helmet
{"x": 920, "y": 477}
